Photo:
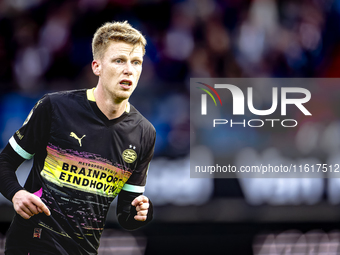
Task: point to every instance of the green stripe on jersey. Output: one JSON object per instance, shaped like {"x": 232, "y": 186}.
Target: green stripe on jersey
{"x": 134, "y": 188}
{"x": 16, "y": 147}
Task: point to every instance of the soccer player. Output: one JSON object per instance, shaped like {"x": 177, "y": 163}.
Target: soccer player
{"x": 88, "y": 146}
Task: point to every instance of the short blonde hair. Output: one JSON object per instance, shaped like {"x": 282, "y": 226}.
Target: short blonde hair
{"x": 115, "y": 31}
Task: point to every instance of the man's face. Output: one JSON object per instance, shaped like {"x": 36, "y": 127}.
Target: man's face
{"x": 119, "y": 69}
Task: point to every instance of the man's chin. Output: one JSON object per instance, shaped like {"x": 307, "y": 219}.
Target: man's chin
{"x": 123, "y": 96}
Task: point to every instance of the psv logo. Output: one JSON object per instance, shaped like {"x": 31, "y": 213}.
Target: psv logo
{"x": 129, "y": 155}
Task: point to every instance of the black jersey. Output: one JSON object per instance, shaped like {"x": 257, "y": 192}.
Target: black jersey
{"x": 82, "y": 161}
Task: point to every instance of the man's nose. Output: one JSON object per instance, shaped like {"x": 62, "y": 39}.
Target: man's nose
{"x": 128, "y": 68}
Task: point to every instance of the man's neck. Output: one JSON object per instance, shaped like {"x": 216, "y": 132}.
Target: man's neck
{"x": 111, "y": 108}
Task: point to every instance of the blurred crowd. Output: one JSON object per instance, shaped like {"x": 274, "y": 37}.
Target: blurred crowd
{"x": 45, "y": 45}
{"x": 294, "y": 242}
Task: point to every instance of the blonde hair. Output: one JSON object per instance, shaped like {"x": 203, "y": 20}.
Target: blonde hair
{"x": 115, "y": 31}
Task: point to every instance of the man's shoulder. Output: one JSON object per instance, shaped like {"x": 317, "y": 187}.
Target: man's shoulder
{"x": 67, "y": 97}
{"x": 142, "y": 121}
{"x": 67, "y": 94}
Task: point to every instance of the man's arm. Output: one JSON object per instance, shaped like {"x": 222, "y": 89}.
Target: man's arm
{"x": 25, "y": 203}
{"x": 9, "y": 162}
{"x": 134, "y": 210}
{"x": 22, "y": 146}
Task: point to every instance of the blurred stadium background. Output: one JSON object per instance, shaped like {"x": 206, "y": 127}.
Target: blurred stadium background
{"x": 45, "y": 46}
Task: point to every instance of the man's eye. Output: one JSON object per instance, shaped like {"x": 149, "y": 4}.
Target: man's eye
{"x": 136, "y": 62}
{"x": 119, "y": 61}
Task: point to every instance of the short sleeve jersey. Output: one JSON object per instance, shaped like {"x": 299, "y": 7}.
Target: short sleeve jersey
{"x": 82, "y": 161}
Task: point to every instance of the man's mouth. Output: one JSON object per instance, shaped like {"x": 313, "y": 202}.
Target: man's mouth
{"x": 126, "y": 84}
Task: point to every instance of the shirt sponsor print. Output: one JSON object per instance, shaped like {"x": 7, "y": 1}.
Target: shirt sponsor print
{"x": 64, "y": 168}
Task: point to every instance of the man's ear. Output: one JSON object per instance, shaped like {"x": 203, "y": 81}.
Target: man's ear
{"x": 96, "y": 67}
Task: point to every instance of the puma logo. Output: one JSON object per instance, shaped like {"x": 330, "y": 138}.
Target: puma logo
{"x": 76, "y": 137}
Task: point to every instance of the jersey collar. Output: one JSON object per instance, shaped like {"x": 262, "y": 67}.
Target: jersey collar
{"x": 90, "y": 97}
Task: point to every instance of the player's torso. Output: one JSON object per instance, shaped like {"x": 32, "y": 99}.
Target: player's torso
{"x": 88, "y": 161}
{"x": 89, "y": 154}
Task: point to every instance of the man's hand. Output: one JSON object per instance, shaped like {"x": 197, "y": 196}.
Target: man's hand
{"x": 27, "y": 204}
{"x": 142, "y": 205}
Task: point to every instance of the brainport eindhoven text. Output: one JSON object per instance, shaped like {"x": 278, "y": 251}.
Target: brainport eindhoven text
{"x": 268, "y": 168}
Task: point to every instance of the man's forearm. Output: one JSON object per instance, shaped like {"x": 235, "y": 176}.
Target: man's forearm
{"x": 126, "y": 212}
{"x": 9, "y": 163}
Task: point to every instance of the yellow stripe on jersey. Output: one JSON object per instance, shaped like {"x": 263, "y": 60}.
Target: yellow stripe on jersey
{"x": 90, "y": 95}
